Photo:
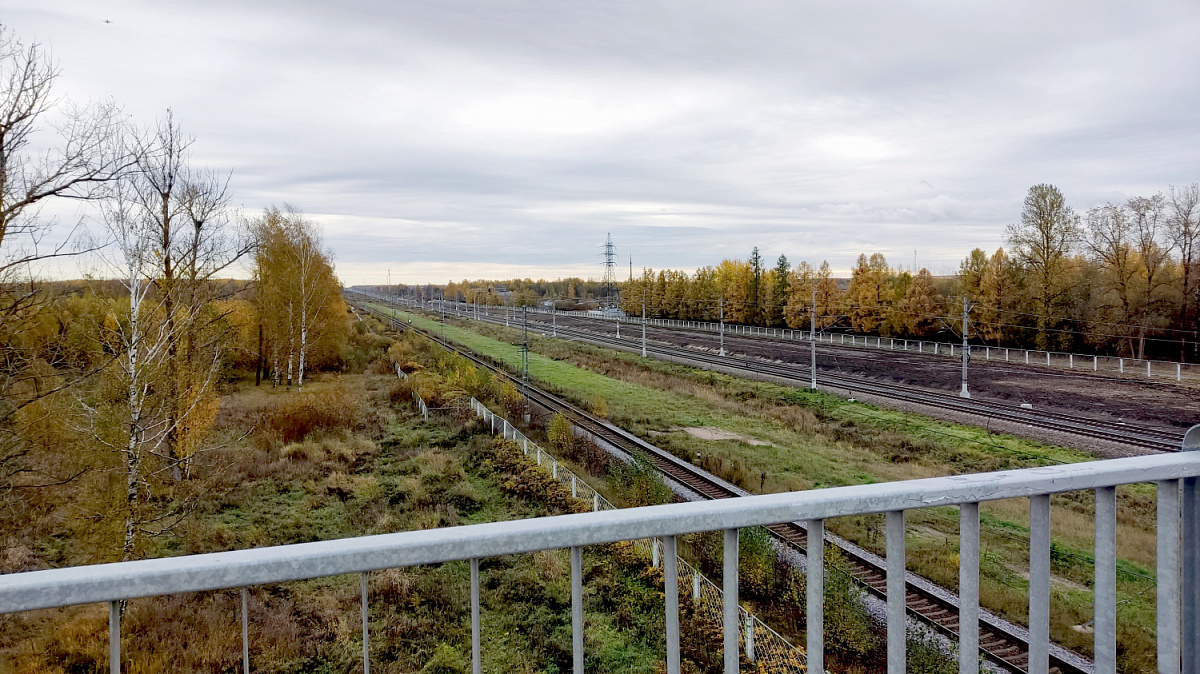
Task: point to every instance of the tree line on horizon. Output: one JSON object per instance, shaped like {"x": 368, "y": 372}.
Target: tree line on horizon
{"x": 1122, "y": 279}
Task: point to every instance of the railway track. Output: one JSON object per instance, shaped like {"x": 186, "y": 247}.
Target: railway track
{"x": 1004, "y": 647}
{"x": 1139, "y": 436}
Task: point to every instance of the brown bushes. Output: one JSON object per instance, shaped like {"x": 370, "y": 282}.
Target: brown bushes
{"x": 295, "y": 417}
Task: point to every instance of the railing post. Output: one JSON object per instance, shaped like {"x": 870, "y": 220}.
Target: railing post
{"x": 365, "y": 628}
{"x": 245, "y": 633}
{"x": 671, "y": 592}
{"x": 730, "y": 601}
{"x": 1190, "y": 512}
{"x": 750, "y": 636}
{"x": 577, "y": 607}
{"x": 476, "y": 651}
{"x": 695, "y": 587}
{"x": 654, "y": 553}
{"x": 1168, "y": 603}
{"x": 574, "y": 486}
{"x": 596, "y": 501}
{"x": 896, "y": 618}
{"x": 1104, "y": 619}
{"x": 968, "y": 588}
{"x": 815, "y": 604}
{"x": 1039, "y": 584}
{"x": 114, "y": 637}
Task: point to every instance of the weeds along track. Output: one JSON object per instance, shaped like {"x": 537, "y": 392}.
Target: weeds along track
{"x": 933, "y": 605}
{"x": 1131, "y": 435}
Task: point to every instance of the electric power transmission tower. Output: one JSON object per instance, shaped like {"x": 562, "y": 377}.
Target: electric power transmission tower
{"x": 608, "y": 287}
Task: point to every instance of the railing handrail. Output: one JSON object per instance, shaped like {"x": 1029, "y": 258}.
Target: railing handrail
{"x": 257, "y": 566}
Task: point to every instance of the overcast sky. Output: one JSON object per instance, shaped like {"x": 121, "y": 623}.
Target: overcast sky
{"x": 451, "y": 139}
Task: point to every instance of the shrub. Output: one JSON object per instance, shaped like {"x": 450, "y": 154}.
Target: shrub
{"x": 847, "y": 623}
{"x": 509, "y": 397}
{"x": 296, "y": 417}
{"x": 639, "y": 484}
{"x": 562, "y": 437}
{"x": 445, "y": 660}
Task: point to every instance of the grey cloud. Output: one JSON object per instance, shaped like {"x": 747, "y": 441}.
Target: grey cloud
{"x": 427, "y": 135}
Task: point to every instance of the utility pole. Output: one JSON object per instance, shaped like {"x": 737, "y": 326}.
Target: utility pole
{"x": 643, "y": 323}
{"x": 525, "y": 345}
{"x": 966, "y": 351}
{"x": 812, "y": 342}
{"x": 617, "y": 317}
{"x": 721, "y": 304}
{"x": 554, "y": 317}
{"x": 393, "y": 300}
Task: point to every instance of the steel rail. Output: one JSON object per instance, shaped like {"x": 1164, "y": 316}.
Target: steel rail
{"x": 1002, "y": 646}
{"x": 1089, "y": 427}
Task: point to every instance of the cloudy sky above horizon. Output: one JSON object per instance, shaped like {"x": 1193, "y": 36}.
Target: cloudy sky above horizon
{"x": 454, "y": 139}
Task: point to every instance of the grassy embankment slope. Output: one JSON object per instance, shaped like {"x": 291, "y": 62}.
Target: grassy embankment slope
{"x": 789, "y": 439}
{"x": 350, "y": 457}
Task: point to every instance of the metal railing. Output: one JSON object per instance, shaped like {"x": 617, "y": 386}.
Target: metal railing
{"x": 1121, "y": 366}
{"x": 1178, "y": 557}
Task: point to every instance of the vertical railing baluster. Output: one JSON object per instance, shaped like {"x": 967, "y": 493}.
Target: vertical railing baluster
{"x": 577, "y": 607}
{"x": 476, "y": 653}
{"x": 896, "y": 618}
{"x": 245, "y": 632}
{"x": 968, "y": 588}
{"x": 365, "y": 628}
{"x": 730, "y": 600}
{"x": 1039, "y": 584}
{"x": 750, "y": 636}
{"x": 114, "y": 637}
{"x": 815, "y": 604}
{"x": 1104, "y": 618}
{"x": 671, "y": 601}
{"x": 1190, "y": 554}
{"x": 1168, "y": 577}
